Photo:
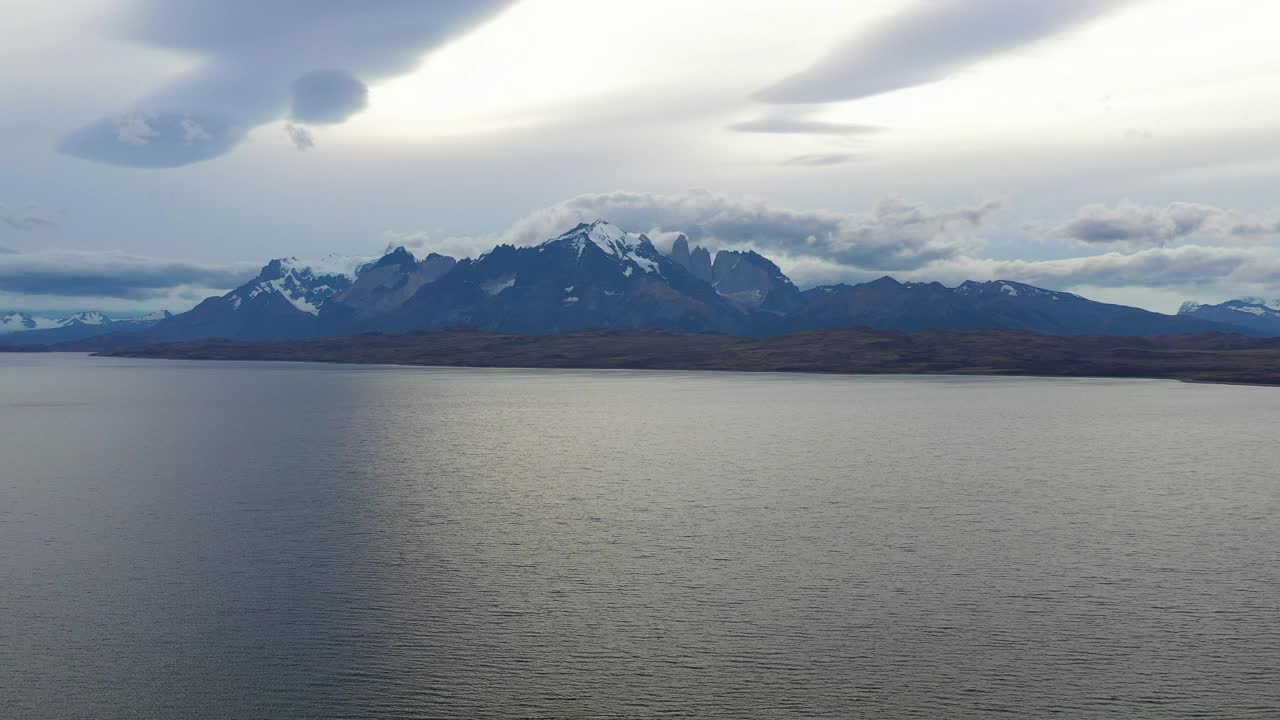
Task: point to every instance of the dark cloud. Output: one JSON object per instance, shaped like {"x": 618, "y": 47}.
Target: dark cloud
{"x": 926, "y": 43}
{"x": 785, "y": 124}
{"x": 823, "y": 159}
{"x": 27, "y": 218}
{"x": 300, "y": 136}
{"x": 896, "y": 235}
{"x": 154, "y": 139}
{"x": 257, "y": 61}
{"x": 328, "y": 96}
{"x": 111, "y": 275}
{"x": 1131, "y": 223}
{"x": 1128, "y": 223}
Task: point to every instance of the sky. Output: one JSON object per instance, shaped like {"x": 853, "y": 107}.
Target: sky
{"x": 155, "y": 153}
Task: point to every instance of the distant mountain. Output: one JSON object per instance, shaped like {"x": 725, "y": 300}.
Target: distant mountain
{"x": 20, "y": 322}
{"x": 282, "y": 302}
{"x": 381, "y": 288}
{"x": 697, "y": 261}
{"x": 25, "y": 330}
{"x": 596, "y": 276}
{"x": 1024, "y": 307}
{"x": 1250, "y": 314}
{"x": 593, "y": 276}
{"x": 752, "y": 282}
{"x": 1001, "y": 304}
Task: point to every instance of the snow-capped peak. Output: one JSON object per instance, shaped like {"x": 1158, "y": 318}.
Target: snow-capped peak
{"x": 19, "y": 321}
{"x": 299, "y": 282}
{"x": 328, "y": 265}
{"x": 613, "y": 241}
{"x": 85, "y": 318}
{"x": 1010, "y": 288}
{"x": 1268, "y": 304}
{"x": 1247, "y": 305}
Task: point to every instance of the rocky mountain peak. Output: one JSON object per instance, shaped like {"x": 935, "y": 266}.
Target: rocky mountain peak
{"x": 680, "y": 251}
{"x": 400, "y": 257}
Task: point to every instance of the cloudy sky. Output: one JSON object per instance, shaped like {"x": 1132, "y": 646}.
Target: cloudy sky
{"x": 156, "y": 152}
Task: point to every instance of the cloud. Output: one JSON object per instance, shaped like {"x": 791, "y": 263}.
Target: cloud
{"x": 259, "y": 61}
{"x": 785, "y": 124}
{"x": 926, "y": 43}
{"x": 111, "y": 275}
{"x": 422, "y": 244}
{"x": 154, "y": 138}
{"x": 28, "y": 218}
{"x": 328, "y": 96}
{"x": 300, "y": 136}
{"x": 1154, "y": 267}
{"x": 823, "y": 159}
{"x": 1130, "y": 224}
{"x": 896, "y": 235}
{"x": 1255, "y": 228}
{"x": 911, "y": 241}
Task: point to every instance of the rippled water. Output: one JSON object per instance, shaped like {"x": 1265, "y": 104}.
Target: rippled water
{"x": 205, "y": 540}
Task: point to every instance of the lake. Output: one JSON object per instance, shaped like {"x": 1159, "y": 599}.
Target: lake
{"x": 255, "y": 540}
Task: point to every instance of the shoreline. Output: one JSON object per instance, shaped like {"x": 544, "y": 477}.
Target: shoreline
{"x": 968, "y": 353}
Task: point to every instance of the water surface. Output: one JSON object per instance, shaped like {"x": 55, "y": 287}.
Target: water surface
{"x": 251, "y": 540}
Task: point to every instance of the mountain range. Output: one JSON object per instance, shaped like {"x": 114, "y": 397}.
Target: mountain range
{"x": 596, "y": 276}
{"x": 1260, "y": 316}
{"x": 18, "y": 328}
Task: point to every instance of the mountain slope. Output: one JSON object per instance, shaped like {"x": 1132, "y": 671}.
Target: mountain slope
{"x": 1000, "y": 304}
{"x": 593, "y": 276}
{"x": 752, "y": 282}
{"x": 1249, "y": 314}
{"x": 282, "y": 302}
{"x": 1025, "y": 307}
{"x": 382, "y": 288}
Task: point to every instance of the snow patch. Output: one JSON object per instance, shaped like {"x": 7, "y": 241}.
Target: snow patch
{"x": 332, "y": 264}
{"x": 1251, "y": 309}
{"x": 497, "y": 286}
{"x": 612, "y": 241}
{"x": 18, "y": 322}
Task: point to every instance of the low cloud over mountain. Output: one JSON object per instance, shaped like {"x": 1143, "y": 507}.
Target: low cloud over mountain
{"x": 896, "y": 235}
{"x": 1193, "y": 249}
{"x": 110, "y": 275}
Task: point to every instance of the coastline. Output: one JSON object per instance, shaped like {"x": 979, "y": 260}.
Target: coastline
{"x": 846, "y": 352}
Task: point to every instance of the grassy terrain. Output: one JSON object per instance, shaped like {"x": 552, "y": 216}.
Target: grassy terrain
{"x": 1207, "y": 358}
